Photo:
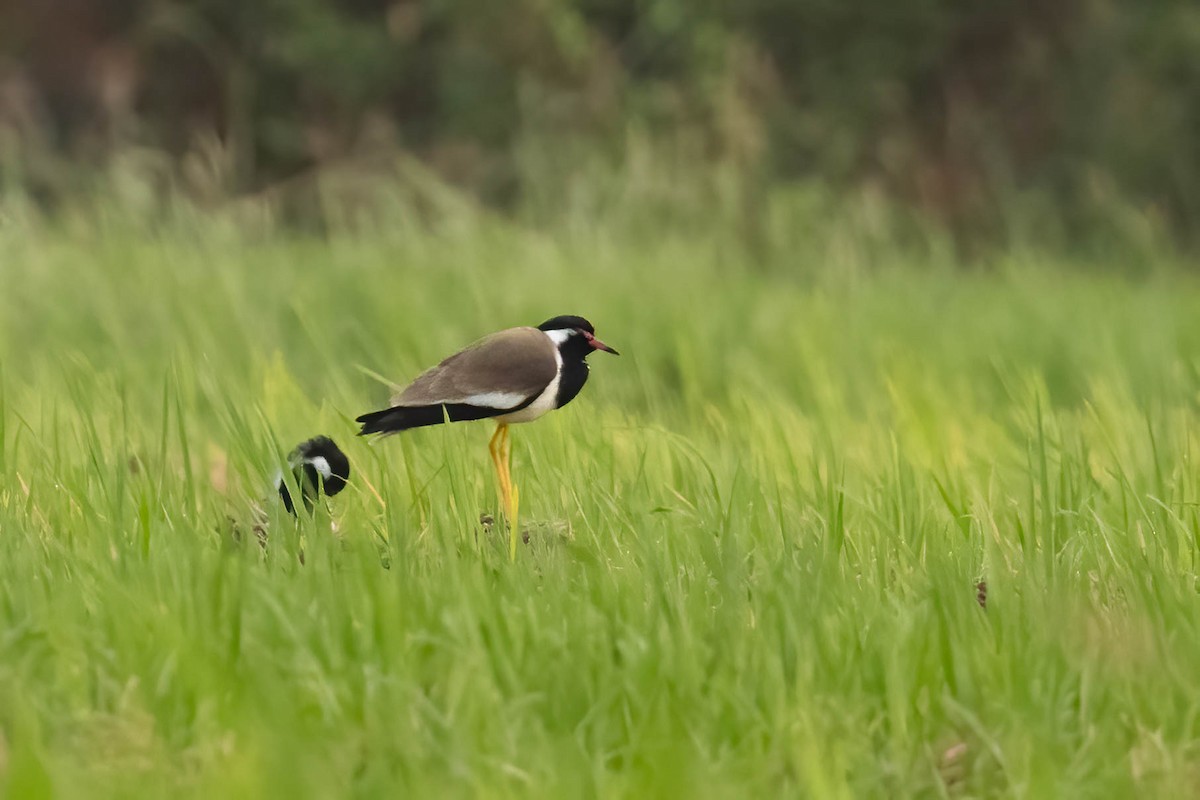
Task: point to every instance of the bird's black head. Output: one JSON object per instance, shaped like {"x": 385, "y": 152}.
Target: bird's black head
{"x": 567, "y": 322}
{"x": 575, "y": 336}
{"x": 320, "y": 466}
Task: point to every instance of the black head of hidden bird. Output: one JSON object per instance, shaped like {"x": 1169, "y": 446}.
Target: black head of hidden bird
{"x": 514, "y": 375}
{"x": 319, "y": 466}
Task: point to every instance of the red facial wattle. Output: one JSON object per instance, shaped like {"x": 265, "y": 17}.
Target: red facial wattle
{"x": 597, "y": 344}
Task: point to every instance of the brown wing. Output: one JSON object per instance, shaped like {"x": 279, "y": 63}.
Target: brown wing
{"x": 503, "y": 370}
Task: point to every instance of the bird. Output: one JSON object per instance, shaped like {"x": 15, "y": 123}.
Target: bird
{"x": 318, "y": 466}
{"x": 512, "y": 376}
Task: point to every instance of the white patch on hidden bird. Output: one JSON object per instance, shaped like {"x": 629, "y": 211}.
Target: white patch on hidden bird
{"x": 499, "y": 400}
{"x": 321, "y": 465}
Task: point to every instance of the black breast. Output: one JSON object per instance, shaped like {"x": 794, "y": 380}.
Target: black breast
{"x": 574, "y": 376}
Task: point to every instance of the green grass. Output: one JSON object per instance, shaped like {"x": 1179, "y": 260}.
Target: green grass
{"x": 754, "y": 544}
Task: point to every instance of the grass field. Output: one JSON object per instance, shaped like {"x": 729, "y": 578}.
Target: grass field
{"x": 754, "y": 544}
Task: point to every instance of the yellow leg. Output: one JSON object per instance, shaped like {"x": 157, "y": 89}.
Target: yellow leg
{"x": 513, "y": 503}
{"x": 510, "y": 498}
{"x": 496, "y": 448}
{"x": 502, "y": 477}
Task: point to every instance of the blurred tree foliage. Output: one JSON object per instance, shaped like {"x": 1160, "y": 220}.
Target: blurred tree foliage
{"x": 960, "y": 108}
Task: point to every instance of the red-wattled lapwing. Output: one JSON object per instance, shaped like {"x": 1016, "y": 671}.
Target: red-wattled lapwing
{"x": 319, "y": 467}
{"x": 515, "y": 375}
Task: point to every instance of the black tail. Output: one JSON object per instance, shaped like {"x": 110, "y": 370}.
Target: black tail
{"x": 402, "y": 418}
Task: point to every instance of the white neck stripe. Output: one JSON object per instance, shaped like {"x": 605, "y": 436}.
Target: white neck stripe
{"x": 560, "y": 335}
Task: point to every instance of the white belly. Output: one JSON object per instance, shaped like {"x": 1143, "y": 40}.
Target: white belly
{"x": 541, "y": 404}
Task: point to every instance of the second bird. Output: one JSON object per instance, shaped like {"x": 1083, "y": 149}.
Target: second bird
{"x": 514, "y": 375}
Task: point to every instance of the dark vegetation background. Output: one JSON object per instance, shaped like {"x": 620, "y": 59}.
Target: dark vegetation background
{"x": 1070, "y": 123}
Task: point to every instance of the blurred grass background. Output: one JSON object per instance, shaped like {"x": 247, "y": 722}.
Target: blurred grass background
{"x": 890, "y": 494}
{"x": 1058, "y": 124}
